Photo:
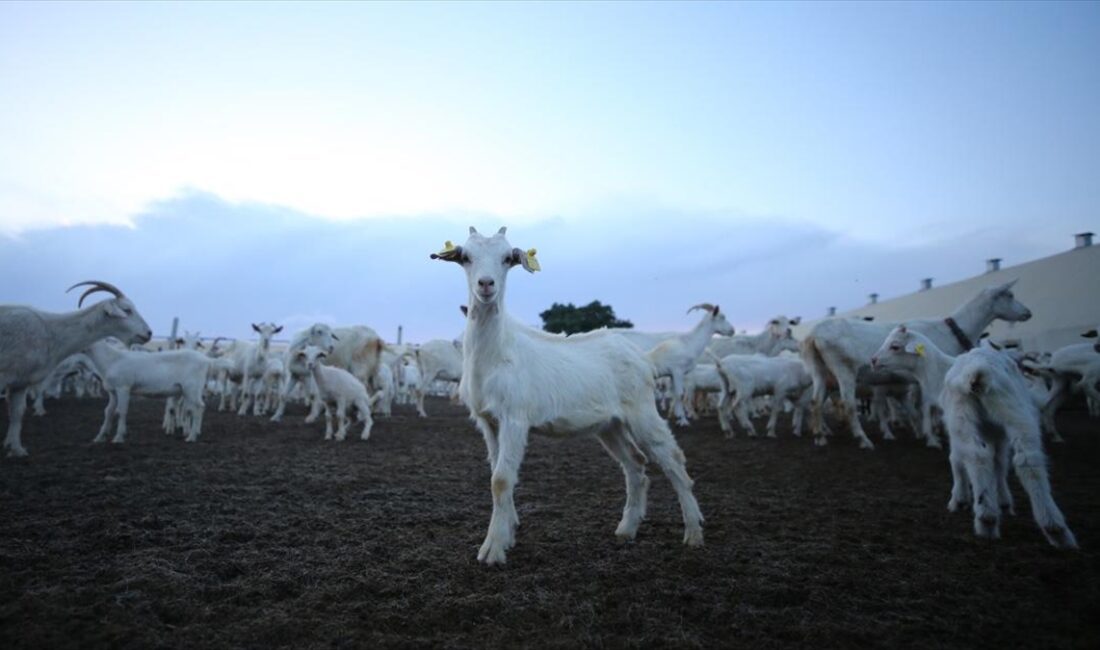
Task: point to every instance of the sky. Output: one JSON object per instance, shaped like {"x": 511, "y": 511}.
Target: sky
{"x": 231, "y": 163}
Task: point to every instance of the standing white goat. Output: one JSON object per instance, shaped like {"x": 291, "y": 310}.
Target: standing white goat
{"x": 34, "y": 342}
{"x": 775, "y": 338}
{"x": 841, "y": 347}
{"x": 748, "y": 376}
{"x": 676, "y": 357}
{"x": 338, "y": 389}
{"x": 1072, "y": 368}
{"x": 173, "y": 373}
{"x": 990, "y": 416}
{"x": 915, "y": 358}
{"x": 516, "y": 379}
{"x": 253, "y": 360}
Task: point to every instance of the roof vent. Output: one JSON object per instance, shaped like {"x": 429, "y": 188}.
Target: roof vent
{"x": 1082, "y": 240}
{"x": 926, "y": 284}
{"x": 832, "y": 311}
{"x": 874, "y": 298}
{"x": 992, "y": 264}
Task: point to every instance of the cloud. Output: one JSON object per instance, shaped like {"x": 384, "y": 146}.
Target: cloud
{"x": 220, "y": 266}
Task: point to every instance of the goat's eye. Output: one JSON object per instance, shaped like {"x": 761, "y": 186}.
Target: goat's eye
{"x": 895, "y": 347}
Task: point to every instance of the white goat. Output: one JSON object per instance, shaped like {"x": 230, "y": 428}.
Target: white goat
{"x": 915, "y": 358}
{"x": 337, "y": 389}
{"x": 842, "y": 347}
{"x": 516, "y": 379}
{"x": 749, "y": 376}
{"x": 437, "y": 360}
{"x": 676, "y": 357}
{"x": 1071, "y": 369}
{"x": 172, "y": 373}
{"x": 297, "y": 374}
{"x": 775, "y": 338}
{"x": 252, "y": 362}
{"x": 34, "y": 342}
{"x": 989, "y": 416}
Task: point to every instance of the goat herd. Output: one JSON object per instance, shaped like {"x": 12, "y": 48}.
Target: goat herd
{"x": 993, "y": 404}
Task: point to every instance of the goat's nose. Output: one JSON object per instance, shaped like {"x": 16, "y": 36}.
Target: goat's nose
{"x": 486, "y": 283}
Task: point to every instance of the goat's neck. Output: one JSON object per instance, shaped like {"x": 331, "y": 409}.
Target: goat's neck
{"x": 973, "y": 317}
{"x": 73, "y": 331}
{"x": 696, "y": 340}
{"x": 486, "y": 332}
{"x": 937, "y": 364}
{"x": 319, "y": 377}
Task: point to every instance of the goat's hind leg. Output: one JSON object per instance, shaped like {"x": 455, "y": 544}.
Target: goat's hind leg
{"x": 1031, "y": 468}
{"x": 616, "y": 440}
{"x": 655, "y": 438}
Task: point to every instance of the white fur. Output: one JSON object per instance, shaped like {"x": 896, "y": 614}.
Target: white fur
{"x": 516, "y": 379}
{"x": 338, "y": 389}
{"x": 748, "y": 376}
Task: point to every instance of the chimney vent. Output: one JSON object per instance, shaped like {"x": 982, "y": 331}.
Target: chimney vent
{"x": 874, "y": 298}
{"x": 1082, "y": 240}
{"x": 926, "y": 284}
{"x": 832, "y": 311}
{"x": 992, "y": 264}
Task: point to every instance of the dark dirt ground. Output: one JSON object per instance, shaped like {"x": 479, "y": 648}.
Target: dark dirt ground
{"x": 262, "y": 535}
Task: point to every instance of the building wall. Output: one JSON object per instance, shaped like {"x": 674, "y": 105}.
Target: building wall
{"x": 1062, "y": 291}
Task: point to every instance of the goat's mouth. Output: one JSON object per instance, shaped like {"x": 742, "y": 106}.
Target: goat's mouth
{"x": 142, "y": 338}
{"x": 485, "y": 297}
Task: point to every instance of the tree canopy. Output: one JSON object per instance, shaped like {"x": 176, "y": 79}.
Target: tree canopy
{"x": 570, "y": 319}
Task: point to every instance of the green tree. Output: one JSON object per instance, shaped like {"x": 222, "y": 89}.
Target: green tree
{"x": 570, "y": 319}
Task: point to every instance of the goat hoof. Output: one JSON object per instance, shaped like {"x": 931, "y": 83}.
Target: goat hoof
{"x": 1060, "y": 537}
{"x": 693, "y": 537}
{"x": 17, "y": 452}
{"x": 491, "y": 552}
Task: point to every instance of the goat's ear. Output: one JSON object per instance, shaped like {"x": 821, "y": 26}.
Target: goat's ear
{"x": 465, "y": 310}
{"x": 113, "y": 310}
{"x": 503, "y": 230}
{"x": 322, "y": 355}
{"x": 527, "y": 259}
{"x": 715, "y": 312}
{"x": 278, "y": 329}
{"x": 449, "y": 252}
{"x": 1091, "y": 334}
{"x": 796, "y": 320}
{"x": 473, "y": 231}
{"x": 915, "y": 348}
{"x": 255, "y": 327}
{"x": 903, "y": 329}
{"x": 335, "y": 338}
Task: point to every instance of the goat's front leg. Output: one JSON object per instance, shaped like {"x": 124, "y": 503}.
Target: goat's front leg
{"x": 123, "y": 409}
{"x": 678, "y": 399}
{"x": 501, "y": 536}
{"x": 926, "y": 424}
{"x": 17, "y": 406}
{"x": 108, "y": 416}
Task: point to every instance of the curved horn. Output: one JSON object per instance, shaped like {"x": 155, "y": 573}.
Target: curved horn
{"x": 703, "y": 305}
{"x": 96, "y": 285}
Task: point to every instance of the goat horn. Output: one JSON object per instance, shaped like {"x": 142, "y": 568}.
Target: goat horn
{"x": 703, "y": 305}
{"x": 97, "y": 285}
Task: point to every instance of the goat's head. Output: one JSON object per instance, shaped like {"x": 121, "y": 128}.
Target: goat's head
{"x": 266, "y": 331}
{"x": 487, "y": 261}
{"x": 717, "y": 318}
{"x": 901, "y": 351}
{"x": 1004, "y": 303}
{"x": 311, "y": 356}
{"x": 124, "y": 320}
{"x": 321, "y": 335}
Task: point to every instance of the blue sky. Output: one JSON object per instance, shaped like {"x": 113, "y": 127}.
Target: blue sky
{"x": 859, "y": 144}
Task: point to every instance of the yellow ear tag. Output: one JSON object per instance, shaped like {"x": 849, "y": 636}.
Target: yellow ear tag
{"x": 920, "y": 349}
{"x": 447, "y": 247}
{"x": 532, "y": 262}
